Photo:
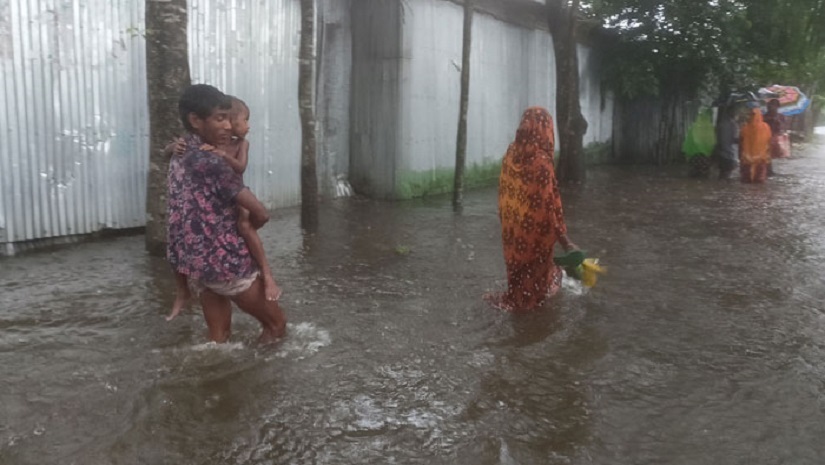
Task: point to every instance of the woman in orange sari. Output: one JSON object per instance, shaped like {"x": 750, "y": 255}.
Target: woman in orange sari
{"x": 532, "y": 220}
{"x": 754, "y": 153}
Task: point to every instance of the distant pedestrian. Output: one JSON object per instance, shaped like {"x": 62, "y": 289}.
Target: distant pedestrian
{"x": 754, "y": 143}
{"x": 780, "y": 141}
{"x": 727, "y": 141}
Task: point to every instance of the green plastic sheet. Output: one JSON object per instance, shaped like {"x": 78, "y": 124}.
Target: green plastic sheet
{"x": 701, "y": 137}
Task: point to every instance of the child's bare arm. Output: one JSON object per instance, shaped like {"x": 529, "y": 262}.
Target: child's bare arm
{"x": 176, "y": 147}
{"x": 238, "y": 163}
{"x": 242, "y": 158}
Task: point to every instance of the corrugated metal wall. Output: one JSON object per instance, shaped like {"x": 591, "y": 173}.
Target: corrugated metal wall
{"x": 73, "y": 157}
{"x": 249, "y": 48}
{"x": 512, "y": 68}
{"x": 73, "y": 108}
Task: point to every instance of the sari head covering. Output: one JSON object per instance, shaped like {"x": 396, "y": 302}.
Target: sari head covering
{"x": 531, "y": 214}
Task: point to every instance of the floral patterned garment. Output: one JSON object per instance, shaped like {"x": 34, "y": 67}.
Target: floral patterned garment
{"x": 203, "y": 238}
{"x": 531, "y": 214}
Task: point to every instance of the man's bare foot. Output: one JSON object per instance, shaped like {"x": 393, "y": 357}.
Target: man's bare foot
{"x": 181, "y": 301}
{"x": 271, "y": 336}
{"x": 271, "y": 290}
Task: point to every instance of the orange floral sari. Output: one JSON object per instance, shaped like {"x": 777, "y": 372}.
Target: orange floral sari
{"x": 531, "y": 214}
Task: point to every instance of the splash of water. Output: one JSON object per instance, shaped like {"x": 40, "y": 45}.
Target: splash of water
{"x": 304, "y": 340}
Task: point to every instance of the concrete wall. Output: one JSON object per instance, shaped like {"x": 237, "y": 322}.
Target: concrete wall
{"x": 376, "y": 84}
{"x": 512, "y": 68}
{"x": 333, "y": 99}
{"x": 597, "y": 107}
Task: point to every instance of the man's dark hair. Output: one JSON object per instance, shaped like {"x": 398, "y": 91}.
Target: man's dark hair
{"x": 202, "y": 100}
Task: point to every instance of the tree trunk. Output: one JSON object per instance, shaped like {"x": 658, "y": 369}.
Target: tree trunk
{"x": 571, "y": 124}
{"x": 812, "y": 113}
{"x": 306, "y": 105}
{"x": 167, "y": 75}
{"x": 461, "y": 138}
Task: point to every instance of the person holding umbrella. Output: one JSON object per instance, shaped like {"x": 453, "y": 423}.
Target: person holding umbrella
{"x": 780, "y": 145}
{"x": 782, "y": 103}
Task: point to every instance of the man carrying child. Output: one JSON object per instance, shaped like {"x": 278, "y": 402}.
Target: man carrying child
{"x": 205, "y": 245}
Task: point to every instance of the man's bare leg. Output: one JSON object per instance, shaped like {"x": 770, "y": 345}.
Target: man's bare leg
{"x": 253, "y": 301}
{"x": 217, "y": 311}
{"x": 256, "y": 249}
{"x": 182, "y": 296}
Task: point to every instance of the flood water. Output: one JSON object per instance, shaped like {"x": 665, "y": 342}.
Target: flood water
{"x": 705, "y": 344}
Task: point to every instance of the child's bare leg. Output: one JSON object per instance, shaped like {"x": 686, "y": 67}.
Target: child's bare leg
{"x": 182, "y": 296}
{"x": 256, "y": 248}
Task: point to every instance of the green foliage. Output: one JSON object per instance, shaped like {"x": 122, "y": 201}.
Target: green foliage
{"x": 665, "y": 45}
{"x": 712, "y": 45}
{"x": 789, "y": 37}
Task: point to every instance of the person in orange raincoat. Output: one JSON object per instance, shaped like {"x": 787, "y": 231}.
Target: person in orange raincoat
{"x": 532, "y": 220}
{"x": 754, "y": 145}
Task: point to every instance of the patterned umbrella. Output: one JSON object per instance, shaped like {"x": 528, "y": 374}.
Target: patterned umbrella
{"x": 791, "y": 100}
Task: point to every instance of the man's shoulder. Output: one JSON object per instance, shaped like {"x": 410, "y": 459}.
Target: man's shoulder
{"x": 198, "y": 159}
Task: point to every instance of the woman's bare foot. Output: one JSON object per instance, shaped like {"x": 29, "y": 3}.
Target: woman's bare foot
{"x": 271, "y": 289}
{"x": 182, "y": 299}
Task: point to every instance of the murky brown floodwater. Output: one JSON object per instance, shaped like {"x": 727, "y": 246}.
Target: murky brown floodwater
{"x": 704, "y": 345}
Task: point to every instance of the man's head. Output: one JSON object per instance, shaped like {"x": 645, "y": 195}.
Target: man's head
{"x": 773, "y": 106}
{"x": 204, "y": 110}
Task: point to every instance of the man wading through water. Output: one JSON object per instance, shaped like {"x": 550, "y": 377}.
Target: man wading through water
{"x": 204, "y": 241}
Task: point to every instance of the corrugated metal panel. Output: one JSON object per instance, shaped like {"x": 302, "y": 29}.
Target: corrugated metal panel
{"x": 249, "y": 48}
{"x": 72, "y": 160}
{"x": 512, "y": 68}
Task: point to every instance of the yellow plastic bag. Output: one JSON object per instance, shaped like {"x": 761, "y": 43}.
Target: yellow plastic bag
{"x": 590, "y": 271}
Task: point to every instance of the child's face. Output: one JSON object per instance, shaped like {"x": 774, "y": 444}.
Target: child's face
{"x": 240, "y": 123}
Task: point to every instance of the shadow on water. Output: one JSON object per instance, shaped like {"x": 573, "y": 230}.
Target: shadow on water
{"x": 702, "y": 345}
